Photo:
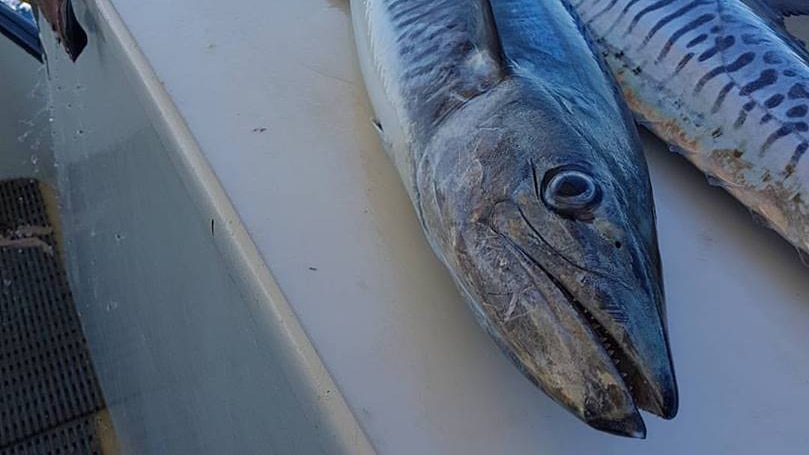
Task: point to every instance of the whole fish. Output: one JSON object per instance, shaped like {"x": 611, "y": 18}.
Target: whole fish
{"x": 527, "y": 175}
{"x": 721, "y": 82}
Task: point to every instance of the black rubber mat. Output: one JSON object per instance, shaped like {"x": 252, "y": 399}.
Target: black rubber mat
{"x": 49, "y": 393}
{"x": 77, "y": 437}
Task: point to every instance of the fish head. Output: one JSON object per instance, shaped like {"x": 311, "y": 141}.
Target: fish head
{"x": 548, "y": 227}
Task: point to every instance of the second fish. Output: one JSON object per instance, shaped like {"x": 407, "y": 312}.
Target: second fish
{"x": 722, "y": 82}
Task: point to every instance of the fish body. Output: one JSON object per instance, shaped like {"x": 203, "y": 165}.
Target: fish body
{"x": 722, "y": 83}
{"x": 527, "y": 175}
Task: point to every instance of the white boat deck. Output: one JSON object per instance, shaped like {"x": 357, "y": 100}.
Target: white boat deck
{"x": 271, "y": 93}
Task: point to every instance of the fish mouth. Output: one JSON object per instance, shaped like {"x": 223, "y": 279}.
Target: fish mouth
{"x": 606, "y": 360}
{"x": 626, "y": 372}
{"x": 656, "y": 397}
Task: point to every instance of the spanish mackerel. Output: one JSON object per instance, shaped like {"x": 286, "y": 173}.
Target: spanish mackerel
{"x": 527, "y": 175}
{"x": 721, "y": 82}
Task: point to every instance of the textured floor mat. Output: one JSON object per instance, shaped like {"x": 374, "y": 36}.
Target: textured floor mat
{"x": 49, "y": 394}
{"x": 76, "y": 437}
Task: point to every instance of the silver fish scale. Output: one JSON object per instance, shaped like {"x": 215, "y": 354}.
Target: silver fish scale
{"x": 434, "y": 41}
{"x": 723, "y": 86}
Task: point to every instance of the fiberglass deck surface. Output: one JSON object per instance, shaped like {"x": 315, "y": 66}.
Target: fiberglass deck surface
{"x": 272, "y": 93}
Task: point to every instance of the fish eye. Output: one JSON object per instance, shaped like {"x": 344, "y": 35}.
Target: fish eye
{"x": 571, "y": 191}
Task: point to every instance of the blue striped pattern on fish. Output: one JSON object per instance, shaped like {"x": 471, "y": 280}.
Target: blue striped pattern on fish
{"x": 431, "y": 57}
{"x": 724, "y": 86}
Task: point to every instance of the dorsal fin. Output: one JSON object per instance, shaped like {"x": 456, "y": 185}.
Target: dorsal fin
{"x": 490, "y": 35}
{"x": 541, "y": 40}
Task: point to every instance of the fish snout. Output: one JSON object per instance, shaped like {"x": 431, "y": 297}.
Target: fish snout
{"x": 571, "y": 332}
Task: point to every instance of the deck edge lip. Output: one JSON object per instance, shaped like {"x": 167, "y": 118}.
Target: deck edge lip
{"x": 249, "y": 271}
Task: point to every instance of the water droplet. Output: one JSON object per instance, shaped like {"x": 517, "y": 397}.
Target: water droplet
{"x": 120, "y": 237}
{"x": 6, "y": 282}
{"x": 112, "y": 305}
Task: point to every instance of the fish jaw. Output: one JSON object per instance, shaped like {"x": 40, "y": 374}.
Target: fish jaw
{"x": 617, "y": 292}
{"x": 546, "y": 331}
{"x": 582, "y": 321}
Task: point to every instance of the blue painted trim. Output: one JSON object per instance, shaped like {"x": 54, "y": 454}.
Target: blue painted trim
{"x": 20, "y": 30}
